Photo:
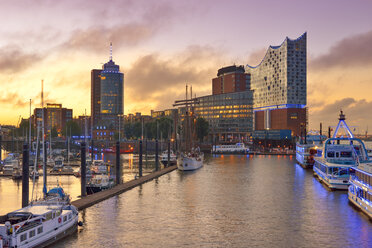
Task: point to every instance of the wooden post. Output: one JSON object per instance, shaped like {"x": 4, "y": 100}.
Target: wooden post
{"x": 83, "y": 170}
{"x": 140, "y": 159}
{"x": 118, "y": 174}
{"x": 25, "y": 176}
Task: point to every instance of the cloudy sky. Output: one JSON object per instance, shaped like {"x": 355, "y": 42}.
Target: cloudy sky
{"x": 161, "y": 45}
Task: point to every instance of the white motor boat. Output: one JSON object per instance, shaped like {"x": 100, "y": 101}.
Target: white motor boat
{"x": 39, "y": 224}
{"x": 98, "y": 183}
{"x": 172, "y": 158}
{"x": 11, "y": 163}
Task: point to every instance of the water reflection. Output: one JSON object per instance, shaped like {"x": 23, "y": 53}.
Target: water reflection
{"x": 233, "y": 201}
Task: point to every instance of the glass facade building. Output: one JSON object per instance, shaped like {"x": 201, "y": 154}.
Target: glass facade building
{"x": 230, "y": 115}
{"x": 112, "y": 89}
{"x": 279, "y": 83}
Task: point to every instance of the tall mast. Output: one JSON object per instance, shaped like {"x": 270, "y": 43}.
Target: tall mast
{"x": 29, "y": 137}
{"x": 43, "y": 140}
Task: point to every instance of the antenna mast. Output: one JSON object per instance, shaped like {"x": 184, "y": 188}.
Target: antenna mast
{"x": 110, "y": 51}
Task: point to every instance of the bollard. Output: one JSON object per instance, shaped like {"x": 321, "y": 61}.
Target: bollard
{"x": 140, "y": 159}
{"x": 83, "y": 170}
{"x": 118, "y": 175}
{"x": 168, "y": 164}
{"x": 25, "y": 176}
{"x": 156, "y": 155}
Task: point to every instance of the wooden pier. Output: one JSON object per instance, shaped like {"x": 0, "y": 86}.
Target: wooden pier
{"x": 103, "y": 195}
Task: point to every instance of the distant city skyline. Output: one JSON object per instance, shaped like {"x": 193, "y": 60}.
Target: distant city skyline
{"x": 162, "y": 45}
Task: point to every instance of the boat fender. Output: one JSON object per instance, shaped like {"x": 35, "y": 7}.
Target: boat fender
{"x": 59, "y": 220}
{"x": 80, "y": 223}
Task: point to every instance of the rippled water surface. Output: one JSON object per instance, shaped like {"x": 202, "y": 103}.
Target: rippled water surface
{"x": 233, "y": 201}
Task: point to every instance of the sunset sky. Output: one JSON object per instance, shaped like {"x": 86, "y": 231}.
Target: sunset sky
{"x": 162, "y": 45}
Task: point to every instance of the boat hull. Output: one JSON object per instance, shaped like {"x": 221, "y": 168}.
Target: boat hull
{"x": 95, "y": 189}
{"x": 304, "y": 162}
{"x": 55, "y": 238}
{"x": 171, "y": 162}
{"x": 333, "y": 184}
{"x": 360, "y": 204}
{"x": 189, "y": 164}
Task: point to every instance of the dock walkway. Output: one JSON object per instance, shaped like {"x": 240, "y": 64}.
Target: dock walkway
{"x": 103, "y": 195}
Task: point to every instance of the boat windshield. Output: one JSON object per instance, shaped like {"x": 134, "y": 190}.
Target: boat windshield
{"x": 339, "y": 171}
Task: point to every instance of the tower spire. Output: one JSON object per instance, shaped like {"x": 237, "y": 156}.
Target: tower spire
{"x": 110, "y": 51}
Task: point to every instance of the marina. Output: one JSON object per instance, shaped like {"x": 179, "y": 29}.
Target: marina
{"x": 164, "y": 124}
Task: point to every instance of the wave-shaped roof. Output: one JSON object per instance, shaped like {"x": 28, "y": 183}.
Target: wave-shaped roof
{"x": 276, "y": 47}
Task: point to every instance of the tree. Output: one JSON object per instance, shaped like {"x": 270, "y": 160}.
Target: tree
{"x": 202, "y": 128}
{"x": 73, "y": 129}
{"x": 54, "y": 132}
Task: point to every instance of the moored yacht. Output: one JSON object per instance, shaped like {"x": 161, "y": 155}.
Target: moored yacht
{"x": 360, "y": 189}
{"x": 39, "y": 224}
{"x": 172, "y": 158}
{"x": 99, "y": 182}
{"x": 11, "y": 163}
{"x": 190, "y": 161}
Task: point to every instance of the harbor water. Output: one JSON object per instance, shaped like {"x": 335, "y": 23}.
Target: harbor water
{"x": 233, "y": 201}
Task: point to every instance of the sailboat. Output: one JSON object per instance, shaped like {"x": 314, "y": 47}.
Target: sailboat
{"x": 42, "y": 222}
{"x": 191, "y": 158}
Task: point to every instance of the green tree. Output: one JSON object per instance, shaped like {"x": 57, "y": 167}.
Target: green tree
{"x": 73, "y": 129}
{"x": 54, "y": 132}
{"x": 202, "y": 128}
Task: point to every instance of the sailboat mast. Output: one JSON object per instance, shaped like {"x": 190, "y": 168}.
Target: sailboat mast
{"x": 187, "y": 123}
{"x": 190, "y": 121}
{"x": 43, "y": 140}
{"x": 29, "y": 137}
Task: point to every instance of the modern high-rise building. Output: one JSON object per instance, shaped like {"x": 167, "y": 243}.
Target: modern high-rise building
{"x": 107, "y": 95}
{"x": 230, "y": 79}
{"x": 111, "y": 89}
{"x": 95, "y": 96}
{"x": 280, "y": 87}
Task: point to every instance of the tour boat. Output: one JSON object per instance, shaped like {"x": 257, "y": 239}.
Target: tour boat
{"x": 98, "y": 183}
{"x": 190, "y": 161}
{"x": 172, "y": 158}
{"x": 339, "y": 158}
{"x": 360, "y": 189}
{"x": 238, "y": 148}
{"x": 305, "y": 154}
{"x": 40, "y": 224}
